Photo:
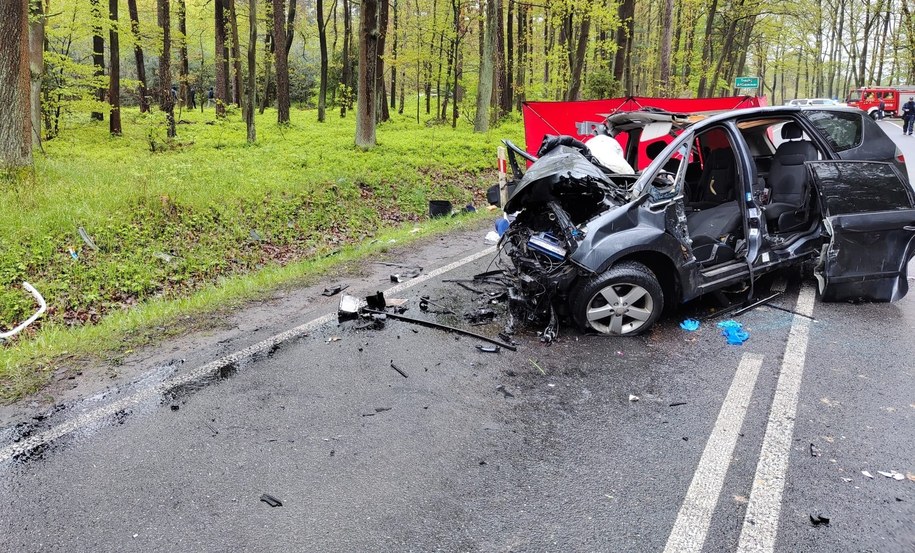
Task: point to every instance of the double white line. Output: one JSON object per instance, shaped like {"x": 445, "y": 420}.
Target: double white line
{"x": 760, "y": 525}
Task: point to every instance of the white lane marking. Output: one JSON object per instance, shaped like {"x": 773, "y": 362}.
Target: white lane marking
{"x": 695, "y": 514}
{"x": 100, "y": 413}
{"x": 760, "y": 523}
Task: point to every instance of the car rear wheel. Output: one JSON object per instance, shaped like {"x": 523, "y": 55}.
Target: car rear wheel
{"x": 623, "y": 301}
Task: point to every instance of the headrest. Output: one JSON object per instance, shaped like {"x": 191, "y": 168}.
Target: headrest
{"x": 721, "y": 159}
{"x": 791, "y": 131}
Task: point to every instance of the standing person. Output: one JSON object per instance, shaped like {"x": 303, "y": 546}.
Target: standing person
{"x": 192, "y": 97}
{"x": 210, "y": 97}
{"x": 880, "y": 107}
{"x": 908, "y": 116}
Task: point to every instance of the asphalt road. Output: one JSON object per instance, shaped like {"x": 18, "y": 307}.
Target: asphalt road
{"x": 675, "y": 441}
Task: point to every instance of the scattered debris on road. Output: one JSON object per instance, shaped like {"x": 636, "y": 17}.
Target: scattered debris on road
{"x": 633, "y": 398}
{"x": 733, "y": 332}
{"x": 488, "y": 349}
{"x": 690, "y": 325}
{"x": 814, "y": 451}
{"x": 818, "y": 519}
{"x": 677, "y": 404}
{"x": 270, "y": 500}
{"x": 396, "y": 368}
{"x": 334, "y": 290}
{"x": 865, "y": 473}
{"x": 892, "y": 474}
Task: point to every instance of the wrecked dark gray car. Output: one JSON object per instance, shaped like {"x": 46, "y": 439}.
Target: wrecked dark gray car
{"x": 726, "y": 199}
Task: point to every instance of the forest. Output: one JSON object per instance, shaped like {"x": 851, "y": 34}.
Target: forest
{"x": 437, "y": 60}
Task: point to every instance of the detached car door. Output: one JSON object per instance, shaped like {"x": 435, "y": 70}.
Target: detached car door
{"x": 869, "y": 214}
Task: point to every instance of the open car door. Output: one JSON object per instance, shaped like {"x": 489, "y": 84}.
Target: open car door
{"x": 869, "y": 214}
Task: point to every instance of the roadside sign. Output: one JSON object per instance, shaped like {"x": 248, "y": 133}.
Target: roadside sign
{"x": 746, "y": 82}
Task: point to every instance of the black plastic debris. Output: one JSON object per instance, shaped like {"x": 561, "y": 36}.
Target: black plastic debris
{"x": 431, "y": 324}
{"x": 818, "y": 520}
{"x": 396, "y": 368}
{"x": 382, "y": 409}
{"x": 425, "y": 302}
{"x": 334, "y": 290}
{"x": 439, "y": 208}
{"x": 814, "y": 451}
{"x": 480, "y": 317}
{"x": 677, "y": 404}
{"x": 488, "y": 349}
{"x": 175, "y": 407}
{"x": 270, "y": 500}
{"x": 505, "y": 392}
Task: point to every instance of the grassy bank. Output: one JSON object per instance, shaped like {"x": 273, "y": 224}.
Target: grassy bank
{"x": 205, "y": 219}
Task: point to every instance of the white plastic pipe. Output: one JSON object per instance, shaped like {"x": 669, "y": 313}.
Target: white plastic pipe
{"x": 42, "y": 307}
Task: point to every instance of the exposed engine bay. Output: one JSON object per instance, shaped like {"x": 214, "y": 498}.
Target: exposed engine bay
{"x": 564, "y": 189}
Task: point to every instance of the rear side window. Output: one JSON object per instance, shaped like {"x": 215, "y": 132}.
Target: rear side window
{"x": 860, "y": 187}
{"x": 842, "y": 130}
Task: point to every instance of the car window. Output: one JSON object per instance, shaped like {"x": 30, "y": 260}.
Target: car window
{"x": 860, "y": 187}
{"x": 842, "y": 130}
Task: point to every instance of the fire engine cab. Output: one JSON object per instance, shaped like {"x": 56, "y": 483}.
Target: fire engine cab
{"x": 867, "y": 98}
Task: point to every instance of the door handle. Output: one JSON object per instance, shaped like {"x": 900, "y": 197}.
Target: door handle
{"x": 910, "y": 228}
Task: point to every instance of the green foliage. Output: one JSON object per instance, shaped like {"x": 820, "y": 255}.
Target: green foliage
{"x": 602, "y": 84}
{"x": 207, "y": 205}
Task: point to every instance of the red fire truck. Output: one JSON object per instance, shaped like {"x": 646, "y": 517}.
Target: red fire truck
{"x": 867, "y": 98}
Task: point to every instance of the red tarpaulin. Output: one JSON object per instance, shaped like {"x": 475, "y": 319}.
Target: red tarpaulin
{"x": 541, "y": 118}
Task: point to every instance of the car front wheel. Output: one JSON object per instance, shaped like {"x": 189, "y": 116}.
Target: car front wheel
{"x": 623, "y": 301}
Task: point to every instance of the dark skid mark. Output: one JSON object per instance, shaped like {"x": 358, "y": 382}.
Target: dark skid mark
{"x": 183, "y": 391}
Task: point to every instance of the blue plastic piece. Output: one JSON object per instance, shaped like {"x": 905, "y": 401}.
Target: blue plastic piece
{"x": 690, "y": 325}
{"x": 501, "y": 226}
{"x": 733, "y": 331}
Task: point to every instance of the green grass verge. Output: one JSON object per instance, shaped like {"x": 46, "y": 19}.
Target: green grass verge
{"x": 205, "y": 219}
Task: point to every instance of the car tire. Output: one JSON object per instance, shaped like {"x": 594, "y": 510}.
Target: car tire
{"x": 625, "y": 300}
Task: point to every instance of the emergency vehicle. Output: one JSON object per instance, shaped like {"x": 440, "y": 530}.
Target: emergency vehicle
{"x": 867, "y": 99}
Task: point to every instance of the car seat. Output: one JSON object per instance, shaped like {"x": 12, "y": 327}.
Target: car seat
{"x": 788, "y": 190}
{"x": 716, "y": 185}
{"x": 713, "y": 231}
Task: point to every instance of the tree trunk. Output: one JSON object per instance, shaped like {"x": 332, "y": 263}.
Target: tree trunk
{"x": 498, "y": 55}
{"x": 579, "y": 59}
{"x": 138, "y": 56}
{"x": 707, "y": 48}
{"x": 282, "y": 62}
{"x": 508, "y": 95}
{"x": 368, "y": 48}
{"x": 268, "y": 59}
{"x": 382, "y": 114}
{"x": 522, "y": 56}
{"x": 290, "y": 25}
{"x": 322, "y": 42}
{"x": 236, "y": 56}
{"x": 16, "y": 124}
{"x": 484, "y": 86}
{"x": 114, "y": 83}
{"x": 165, "y": 68}
{"x": 220, "y": 65}
{"x": 252, "y": 69}
{"x": 36, "y": 66}
{"x": 394, "y": 56}
{"x": 666, "y": 38}
{"x": 347, "y": 74}
{"x": 98, "y": 54}
{"x": 184, "y": 68}
{"x": 626, "y": 13}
